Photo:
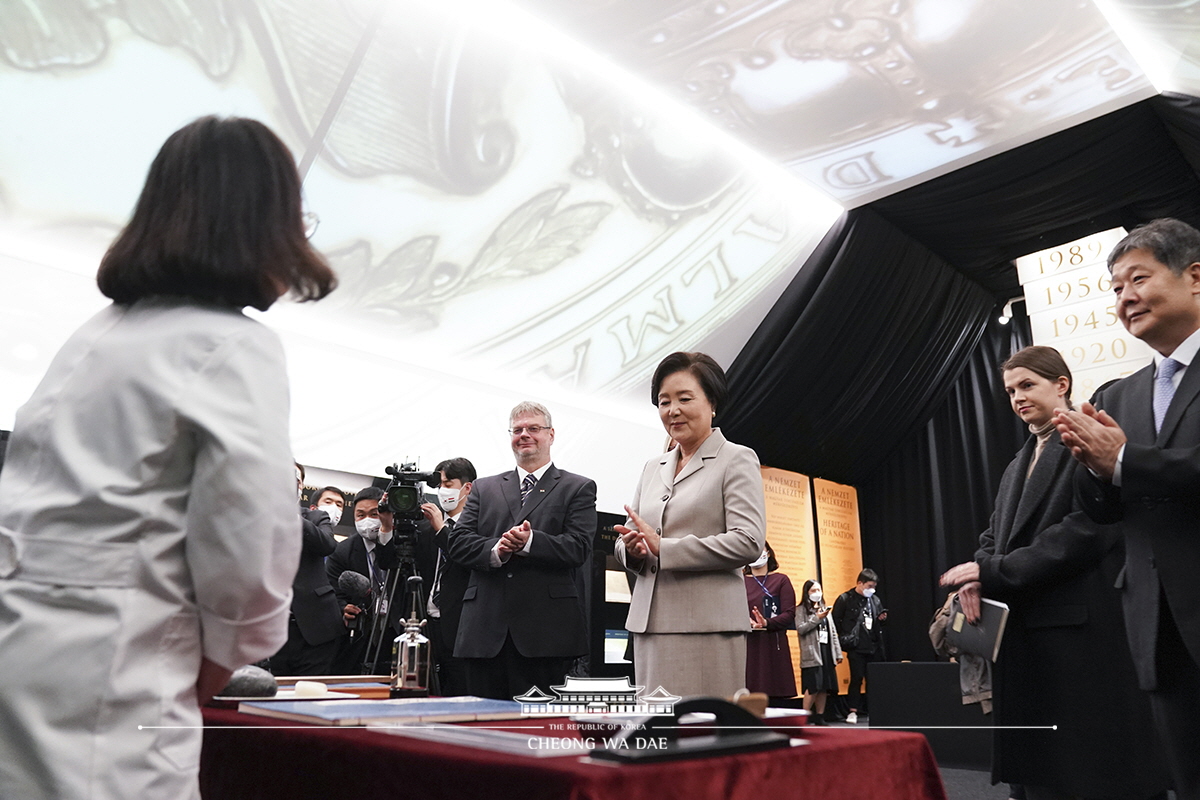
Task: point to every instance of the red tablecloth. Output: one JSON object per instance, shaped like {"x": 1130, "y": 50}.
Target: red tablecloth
{"x": 280, "y": 760}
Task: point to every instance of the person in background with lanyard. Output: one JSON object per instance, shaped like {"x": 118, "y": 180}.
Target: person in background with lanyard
{"x": 858, "y": 613}
{"x": 772, "y": 603}
{"x": 820, "y": 650}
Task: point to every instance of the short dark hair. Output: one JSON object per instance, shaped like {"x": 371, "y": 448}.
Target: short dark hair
{"x": 1173, "y": 243}
{"x": 316, "y": 498}
{"x": 1043, "y": 361}
{"x": 369, "y": 493}
{"x": 706, "y": 370}
{"x": 457, "y": 469}
{"x": 219, "y": 220}
{"x": 867, "y": 576}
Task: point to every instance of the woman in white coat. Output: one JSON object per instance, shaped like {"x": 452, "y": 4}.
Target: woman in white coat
{"x": 698, "y": 516}
{"x": 148, "y": 529}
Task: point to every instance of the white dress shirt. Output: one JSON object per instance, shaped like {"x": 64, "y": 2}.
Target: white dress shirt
{"x": 499, "y": 558}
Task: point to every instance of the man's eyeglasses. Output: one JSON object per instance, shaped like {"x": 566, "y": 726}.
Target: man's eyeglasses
{"x": 532, "y": 430}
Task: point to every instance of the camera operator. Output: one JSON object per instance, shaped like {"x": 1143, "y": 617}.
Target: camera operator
{"x": 447, "y": 579}
{"x": 315, "y": 625}
{"x": 372, "y": 555}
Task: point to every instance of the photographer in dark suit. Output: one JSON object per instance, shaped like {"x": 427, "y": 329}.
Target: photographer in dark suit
{"x": 447, "y": 580}
{"x": 526, "y": 534}
{"x": 372, "y": 554}
{"x": 1142, "y": 452}
{"x": 315, "y": 625}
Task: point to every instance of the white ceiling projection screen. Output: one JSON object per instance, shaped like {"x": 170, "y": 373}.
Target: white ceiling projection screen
{"x": 525, "y": 200}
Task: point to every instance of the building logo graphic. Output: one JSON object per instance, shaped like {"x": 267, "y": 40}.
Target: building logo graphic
{"x": 597, "y": 696}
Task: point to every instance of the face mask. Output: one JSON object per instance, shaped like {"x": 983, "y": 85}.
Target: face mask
{"x": 448, "y": 498}
{"x": 367, "y": 527}
{"x": 332, "y": 510}
{"x": 868, "y": 592}
{"x": 815, "y": 596}
{"x": 760, "y": 561}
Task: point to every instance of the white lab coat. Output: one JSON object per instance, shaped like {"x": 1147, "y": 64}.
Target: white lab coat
{"x": 147, "y": 518}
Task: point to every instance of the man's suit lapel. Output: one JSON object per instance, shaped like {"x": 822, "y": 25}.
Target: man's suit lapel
{"x": 359, "y": 561}
{"x": 1138, "y": 422}
{"x": 511, "y": 488}
{"x": 1189, "y": 387}
{"x": 540, "y": 490}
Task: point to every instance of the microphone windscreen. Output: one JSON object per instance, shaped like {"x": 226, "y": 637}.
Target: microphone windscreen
{"x": 356, "y": 586}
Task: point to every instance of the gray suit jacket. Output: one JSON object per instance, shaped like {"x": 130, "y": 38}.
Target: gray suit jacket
{"x": 712, "y": 517}
{"x": 1158, "y": 504}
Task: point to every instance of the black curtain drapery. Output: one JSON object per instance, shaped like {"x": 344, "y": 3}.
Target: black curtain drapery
{"x": 859, "y": 350}
{"x": 928, "y": 503}
{"x": 874, "y": 369}
{"x": 1121, "y": 169}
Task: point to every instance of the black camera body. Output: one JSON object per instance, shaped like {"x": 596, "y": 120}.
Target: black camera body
{"x": 403, "y": 495}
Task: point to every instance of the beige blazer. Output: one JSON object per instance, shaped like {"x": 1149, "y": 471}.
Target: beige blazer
{"x": 712, "y": 519}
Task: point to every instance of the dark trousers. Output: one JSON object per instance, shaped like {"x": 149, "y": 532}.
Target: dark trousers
{"x": 858, "y": 673}
{"x": 451, "y": 671}
{"x": 298, "y": 657}
{"x": 511, "y": 674}
{"x": 352, "y": 653}
{"x": 1175, "y": 705}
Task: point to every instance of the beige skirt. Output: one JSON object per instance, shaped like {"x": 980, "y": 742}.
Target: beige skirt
{"x": 690, "y": 664}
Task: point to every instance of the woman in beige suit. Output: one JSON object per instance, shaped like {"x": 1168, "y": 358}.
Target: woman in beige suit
{"x": 696, "y": 519}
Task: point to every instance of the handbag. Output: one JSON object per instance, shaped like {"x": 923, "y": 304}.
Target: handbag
{"x": 938, "y": 625}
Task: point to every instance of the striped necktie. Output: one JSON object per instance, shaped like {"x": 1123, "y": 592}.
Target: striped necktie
{"x": 527, "y": 487}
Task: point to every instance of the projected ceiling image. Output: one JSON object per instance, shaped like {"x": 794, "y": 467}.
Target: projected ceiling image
{"x": 866, "y": 97}
{"x": 452, "y": 176}
{"x": 538, "y": 197}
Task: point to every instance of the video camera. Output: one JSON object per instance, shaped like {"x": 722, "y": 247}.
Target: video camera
{"x": 403, "y": 495}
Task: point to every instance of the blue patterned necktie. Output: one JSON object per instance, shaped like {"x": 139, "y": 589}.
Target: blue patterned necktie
{"x": 527, "y": 487}
{"x": 1164, "y": 389}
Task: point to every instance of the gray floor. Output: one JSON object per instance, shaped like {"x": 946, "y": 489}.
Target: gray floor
{"x": 961, "y": 784}
{"x": 969, "y": 784}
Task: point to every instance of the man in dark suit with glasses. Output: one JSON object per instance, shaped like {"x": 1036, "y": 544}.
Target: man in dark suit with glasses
{"x": 526, "y": 534}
